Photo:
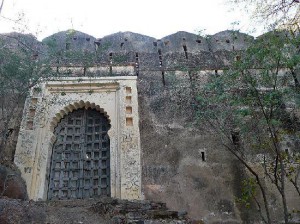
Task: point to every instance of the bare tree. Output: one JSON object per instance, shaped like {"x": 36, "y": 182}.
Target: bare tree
{"x": 283, "y": 14}
{"x": 248, "y": 107}
{"x": 1, "y": 6}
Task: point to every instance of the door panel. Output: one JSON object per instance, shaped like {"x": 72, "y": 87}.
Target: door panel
{"x": 80, "y": 165}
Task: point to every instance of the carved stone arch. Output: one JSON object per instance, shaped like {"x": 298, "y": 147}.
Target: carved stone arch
{"x": 74, "y": 106}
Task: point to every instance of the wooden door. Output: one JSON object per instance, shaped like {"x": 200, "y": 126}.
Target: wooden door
{"x": 80, "y": 165}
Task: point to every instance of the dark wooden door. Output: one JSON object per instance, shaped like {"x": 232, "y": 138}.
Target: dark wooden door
{"x": 80, "y": 166}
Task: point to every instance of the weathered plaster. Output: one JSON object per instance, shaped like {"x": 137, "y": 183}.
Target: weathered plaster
{"x": 116, "y": 97}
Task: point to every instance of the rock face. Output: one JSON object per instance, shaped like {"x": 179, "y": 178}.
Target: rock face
{"x": 121, "y": 211}
{"x": 11, "y": 184}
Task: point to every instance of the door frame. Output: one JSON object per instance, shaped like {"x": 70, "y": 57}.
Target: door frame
{"x": 58, "y": 97}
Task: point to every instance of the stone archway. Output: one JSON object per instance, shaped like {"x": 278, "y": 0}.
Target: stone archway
{"x": 115, "y": 98}
{"x": 80, "y": 161}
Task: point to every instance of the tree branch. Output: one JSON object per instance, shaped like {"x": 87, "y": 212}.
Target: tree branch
{"x": 1, "y": 6}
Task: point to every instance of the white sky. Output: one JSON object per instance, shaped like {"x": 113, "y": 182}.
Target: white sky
{"x": 156, "y": 18}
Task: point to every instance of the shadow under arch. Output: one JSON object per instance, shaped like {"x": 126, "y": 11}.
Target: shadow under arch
{"x": 75, "y": 106}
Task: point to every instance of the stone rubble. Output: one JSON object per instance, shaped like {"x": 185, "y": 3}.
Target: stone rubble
{"x": 90, "y": 211}
{"x": 124, "y": 211}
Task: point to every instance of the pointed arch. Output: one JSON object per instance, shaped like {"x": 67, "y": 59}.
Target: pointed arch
{"x": 75, "y": 106}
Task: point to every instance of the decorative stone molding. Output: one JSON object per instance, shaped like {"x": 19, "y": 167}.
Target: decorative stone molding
{"x": 76, "y": 106}
{"x": 58, "y": 97}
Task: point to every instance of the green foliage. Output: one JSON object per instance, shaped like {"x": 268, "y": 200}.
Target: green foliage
{"x": 253, "y": 88}
{"x": 104, "y": 47}
{"x": 18, "y": 70}
{"x": 51, "y": 43}
{"x": 251, "y": 105}
{"x": 249, "y": 191}
{"x": 21, "y": 67}
{"x": 119, "y": 59}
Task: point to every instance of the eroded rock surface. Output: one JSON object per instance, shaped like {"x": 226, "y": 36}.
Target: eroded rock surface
{"x": 11, "y": 184}
{"x": 92, "y": 211}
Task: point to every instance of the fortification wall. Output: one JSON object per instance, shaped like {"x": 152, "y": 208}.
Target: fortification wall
{"x": 183, "y": 164}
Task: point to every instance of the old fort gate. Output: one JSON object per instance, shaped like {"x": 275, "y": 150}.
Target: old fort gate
{"x": 80, "y": 139}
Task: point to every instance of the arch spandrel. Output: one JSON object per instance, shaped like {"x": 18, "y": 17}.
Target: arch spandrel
{"x": 75, "y": 106}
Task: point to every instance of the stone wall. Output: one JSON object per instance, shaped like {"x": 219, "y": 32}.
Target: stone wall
{"x": 176, "y": 51}
{"x": 183, "y": 164}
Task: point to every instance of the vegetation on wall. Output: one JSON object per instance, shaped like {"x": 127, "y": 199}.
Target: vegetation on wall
{"x": 24, "y": 62}
{"x": 254, "y": 106}
{"x": 20, "y": 69}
